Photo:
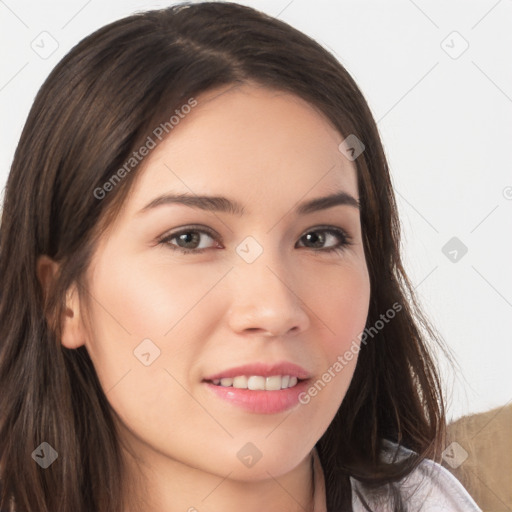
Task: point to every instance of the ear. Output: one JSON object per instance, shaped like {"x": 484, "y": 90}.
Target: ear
{"x": 73, "y": 333}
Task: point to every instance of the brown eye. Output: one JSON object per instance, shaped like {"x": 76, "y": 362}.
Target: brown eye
{"x": 188, "y": 240}
{"x": 317, "y": 238}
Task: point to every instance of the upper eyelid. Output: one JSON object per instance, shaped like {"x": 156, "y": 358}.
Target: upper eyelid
{"x": 185, "y": 229}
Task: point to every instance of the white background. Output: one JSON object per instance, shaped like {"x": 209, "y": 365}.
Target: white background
{"x": 445, "y": 119}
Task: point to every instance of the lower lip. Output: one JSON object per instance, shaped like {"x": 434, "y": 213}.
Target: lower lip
{"x": 261, "y": 402}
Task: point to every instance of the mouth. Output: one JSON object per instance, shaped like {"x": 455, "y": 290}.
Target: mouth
{"x": 260, "y": 388}
{"x": 257, "y": 382}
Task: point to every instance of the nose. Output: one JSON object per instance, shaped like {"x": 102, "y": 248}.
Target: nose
{"x": 266, "y": 299}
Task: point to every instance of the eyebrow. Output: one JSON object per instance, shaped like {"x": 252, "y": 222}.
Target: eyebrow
{"x": 225, "y": 205}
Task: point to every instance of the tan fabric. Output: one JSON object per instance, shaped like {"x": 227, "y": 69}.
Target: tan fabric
{"x": 487, "y": 471}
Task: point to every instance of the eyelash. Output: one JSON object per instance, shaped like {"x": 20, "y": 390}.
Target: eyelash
{"x": 346, "y": 239}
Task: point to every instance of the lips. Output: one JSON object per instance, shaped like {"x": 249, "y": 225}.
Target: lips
{"x": 267, "y": 398}
{"x": 263, "y": 370}
{"x": 258, "y": 401}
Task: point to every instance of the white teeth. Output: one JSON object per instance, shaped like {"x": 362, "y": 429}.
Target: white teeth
{"x": 240, "y": 382}
{"x": 257, "y": 382}
{"x": 273, "y": 383}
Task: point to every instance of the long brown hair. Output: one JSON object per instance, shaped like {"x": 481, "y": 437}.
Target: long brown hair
{"x": 100, "y": 104}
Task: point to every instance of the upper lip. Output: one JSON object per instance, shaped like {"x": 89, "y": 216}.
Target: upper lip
{"x": 264, "y": 370}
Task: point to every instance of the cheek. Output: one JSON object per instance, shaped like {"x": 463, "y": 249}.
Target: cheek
{"x": 137, "y": 299}
{"x": 342, "y": 302}
{"x": 148, "y": 313}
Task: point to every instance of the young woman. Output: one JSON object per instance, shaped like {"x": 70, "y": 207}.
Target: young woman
{"x": 203, "y": 305}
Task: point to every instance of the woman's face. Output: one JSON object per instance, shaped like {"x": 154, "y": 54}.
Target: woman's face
{"x": 272, "y": 284}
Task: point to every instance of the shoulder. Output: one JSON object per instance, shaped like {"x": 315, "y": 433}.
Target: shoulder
{"x": 429, "y": 488}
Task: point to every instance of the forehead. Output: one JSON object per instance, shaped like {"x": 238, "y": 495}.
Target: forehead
{"x": 251, "y": 143}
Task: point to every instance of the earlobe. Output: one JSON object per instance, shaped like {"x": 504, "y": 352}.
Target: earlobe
{"x": 71, "y": 325}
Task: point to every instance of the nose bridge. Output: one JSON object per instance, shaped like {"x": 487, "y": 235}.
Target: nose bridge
{"x": 265, "y": 296}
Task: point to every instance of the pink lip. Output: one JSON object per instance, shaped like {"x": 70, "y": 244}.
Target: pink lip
{"x": 264, "y": 370}
{"x": 261, "y": 402}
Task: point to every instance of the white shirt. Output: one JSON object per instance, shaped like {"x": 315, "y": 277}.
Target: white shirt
{"x": 429, "y": 488}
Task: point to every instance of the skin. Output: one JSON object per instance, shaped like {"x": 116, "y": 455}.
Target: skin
{"x": 211, "y": 311}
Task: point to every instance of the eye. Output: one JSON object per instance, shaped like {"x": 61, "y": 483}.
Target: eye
{"x": 188, "y": 240}
{"x": 323, "y": 234}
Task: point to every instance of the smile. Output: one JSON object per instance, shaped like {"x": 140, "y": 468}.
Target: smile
{"x": 257, "y": 382}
